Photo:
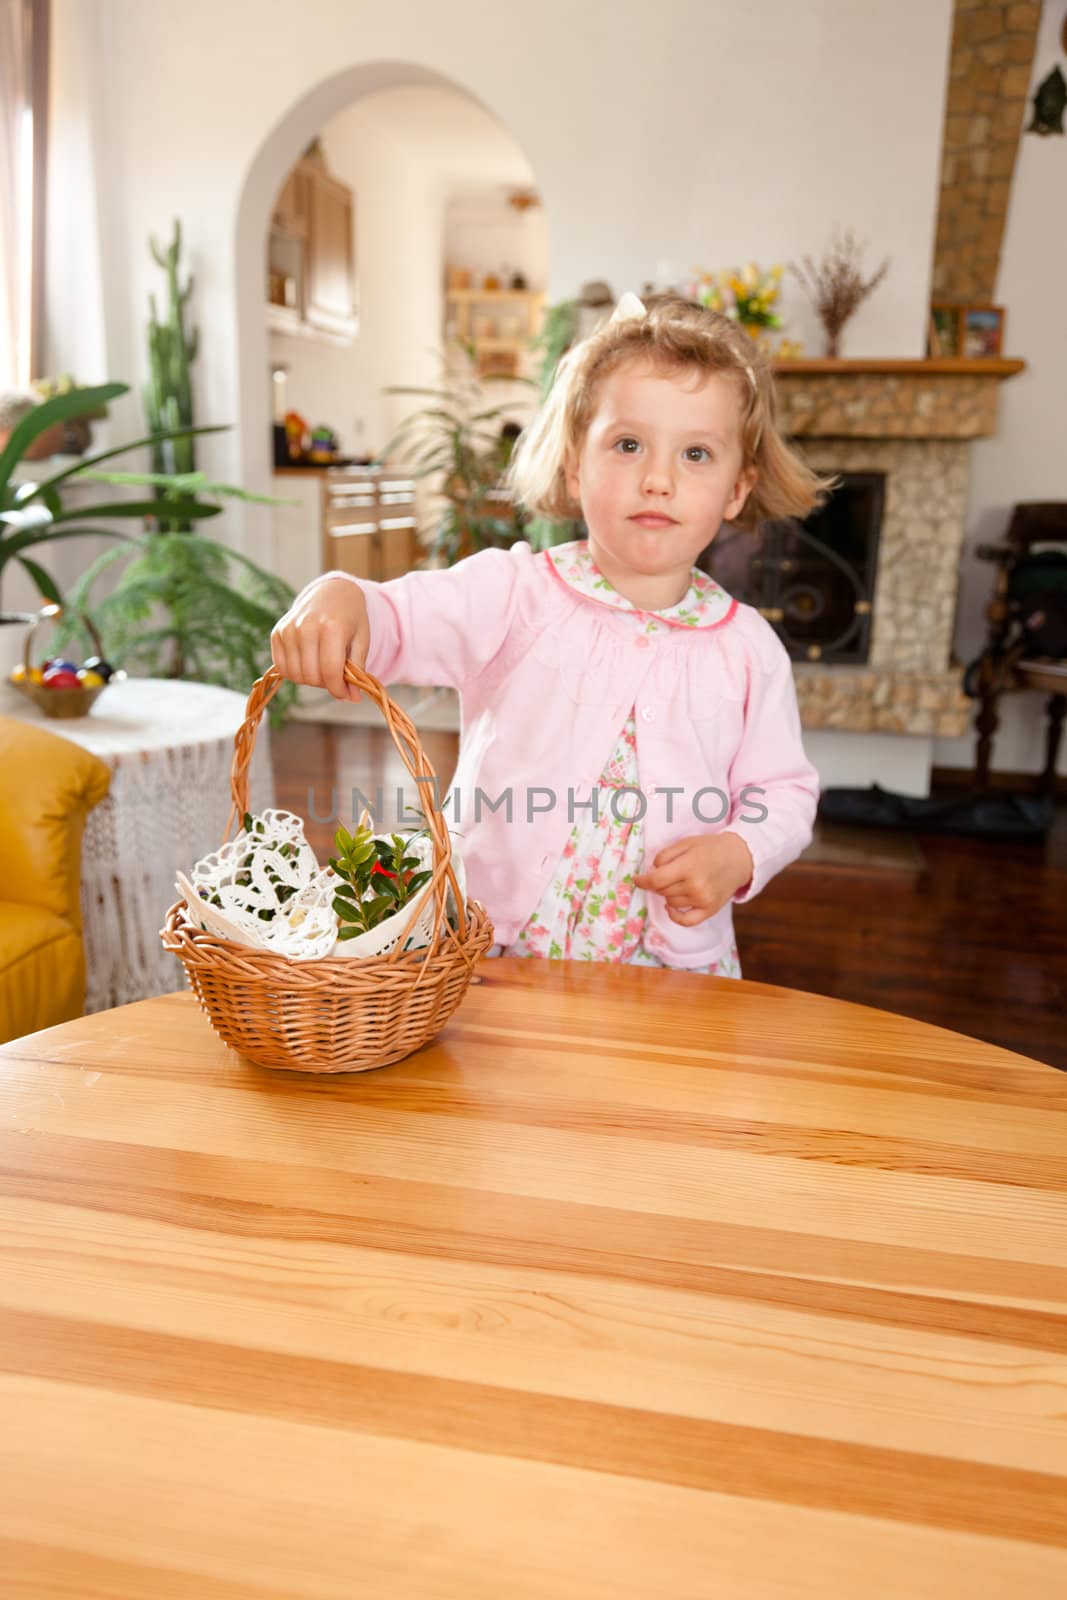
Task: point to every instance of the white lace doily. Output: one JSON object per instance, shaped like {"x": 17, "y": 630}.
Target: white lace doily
{"x": 265, "y": 889}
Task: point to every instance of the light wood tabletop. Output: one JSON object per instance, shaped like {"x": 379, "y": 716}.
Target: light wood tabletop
{"x": 634, "y": 1284}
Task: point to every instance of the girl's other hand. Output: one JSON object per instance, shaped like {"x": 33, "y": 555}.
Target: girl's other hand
{"x": 699, "y": 875}
{"x": 325, "y": 626}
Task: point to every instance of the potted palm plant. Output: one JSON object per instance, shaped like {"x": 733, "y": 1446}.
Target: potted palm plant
{"x": 465, "y": 444}
{"x": 32, "y": 514}
{"x": 194, "y": 608}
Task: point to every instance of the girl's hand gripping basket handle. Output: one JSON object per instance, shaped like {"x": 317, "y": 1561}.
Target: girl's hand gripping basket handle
{"x": 406, "y": 740}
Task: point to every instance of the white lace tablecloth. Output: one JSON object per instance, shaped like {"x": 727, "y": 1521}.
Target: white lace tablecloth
{"x": 169, "y": 745}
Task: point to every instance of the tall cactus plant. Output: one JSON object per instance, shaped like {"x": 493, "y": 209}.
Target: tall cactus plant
{"x": 172, "y": 348}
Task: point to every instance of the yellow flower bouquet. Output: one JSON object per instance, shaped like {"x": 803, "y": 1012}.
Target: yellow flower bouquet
{"x": 748, "y": 295}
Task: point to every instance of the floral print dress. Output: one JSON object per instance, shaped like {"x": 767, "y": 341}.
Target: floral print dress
{"x": 591, "y": 909}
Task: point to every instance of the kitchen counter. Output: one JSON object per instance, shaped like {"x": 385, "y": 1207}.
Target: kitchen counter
{"x": 316, "y": 469}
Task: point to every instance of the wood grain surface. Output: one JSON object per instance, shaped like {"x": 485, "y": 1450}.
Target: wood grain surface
{"x": 634, "y": 1284}
{"x": 973, "y": 939}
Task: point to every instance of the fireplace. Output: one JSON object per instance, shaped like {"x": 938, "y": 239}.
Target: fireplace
{"x": 867, "y": 588}
{"x": 813, "y": 579}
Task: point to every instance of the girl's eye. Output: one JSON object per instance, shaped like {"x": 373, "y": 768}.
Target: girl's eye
{"x": 622, "y": 444}
{"x": 697, "y": 452}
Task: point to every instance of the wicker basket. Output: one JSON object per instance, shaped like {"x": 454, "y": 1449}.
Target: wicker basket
{"x": 337, "y": 1014}
{"x": 65, "y": 703}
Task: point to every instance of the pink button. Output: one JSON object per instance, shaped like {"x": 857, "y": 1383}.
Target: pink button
{"x": 642, "y": 642}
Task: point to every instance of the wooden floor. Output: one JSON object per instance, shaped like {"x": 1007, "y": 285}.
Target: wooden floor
{"x": 973, "y": 936}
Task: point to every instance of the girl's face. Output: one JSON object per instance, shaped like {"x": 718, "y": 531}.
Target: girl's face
{"x": 660, "y": 470}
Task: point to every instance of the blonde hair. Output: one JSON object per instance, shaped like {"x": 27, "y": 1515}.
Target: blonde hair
{"x": 674, "y": 335}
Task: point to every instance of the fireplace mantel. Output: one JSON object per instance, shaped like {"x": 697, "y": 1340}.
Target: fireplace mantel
{"x": 890, "y": 399}
{"x": 802, "y": 366}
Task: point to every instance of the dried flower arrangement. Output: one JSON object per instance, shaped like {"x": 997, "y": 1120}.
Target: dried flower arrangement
{"x": 837, "y": 287}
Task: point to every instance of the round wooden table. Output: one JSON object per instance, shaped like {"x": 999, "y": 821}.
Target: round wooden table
{"x": 635, "y": 1284}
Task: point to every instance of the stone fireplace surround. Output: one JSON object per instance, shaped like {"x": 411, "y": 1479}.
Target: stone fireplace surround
{"x": 914, "y": 421}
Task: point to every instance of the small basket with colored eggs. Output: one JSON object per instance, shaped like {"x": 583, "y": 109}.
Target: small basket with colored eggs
{"x": 59, "y": 686}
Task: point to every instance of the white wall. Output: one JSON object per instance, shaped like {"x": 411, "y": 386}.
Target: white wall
{"x": 698, "y": 131}
{"x": 1027, "y": 459}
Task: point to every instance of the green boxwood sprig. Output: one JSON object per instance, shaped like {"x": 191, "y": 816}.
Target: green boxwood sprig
{"x": 378, "y": 878}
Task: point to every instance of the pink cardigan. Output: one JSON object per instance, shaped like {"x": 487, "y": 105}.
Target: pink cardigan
{"x": 546, "y": 678}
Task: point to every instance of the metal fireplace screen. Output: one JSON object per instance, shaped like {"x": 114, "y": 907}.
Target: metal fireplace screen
{"x": 812, "y": 579}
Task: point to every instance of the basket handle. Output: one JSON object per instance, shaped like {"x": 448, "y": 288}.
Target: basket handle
{"x": 403, "y": 734}
{"x": 52, "y": 613}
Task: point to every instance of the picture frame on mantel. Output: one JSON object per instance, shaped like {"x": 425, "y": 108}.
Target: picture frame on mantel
{"x": 971, "y": 332}
{"x": 945, "y": 332}
{"x": 983, "y": 332}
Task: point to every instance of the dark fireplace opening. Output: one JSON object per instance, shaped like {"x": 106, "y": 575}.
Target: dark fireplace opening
{"x": 813, "y": 577}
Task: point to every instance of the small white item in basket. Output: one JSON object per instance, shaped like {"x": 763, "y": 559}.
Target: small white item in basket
{"x": 248, "y": 871}
{"x": 266, "y": 889}
{"x": 301, "y": 931}
{"x": 211, "y": 919}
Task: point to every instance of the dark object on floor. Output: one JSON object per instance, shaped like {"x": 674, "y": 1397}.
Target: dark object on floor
{"x": 1026, "y": 643}
{"x": 988, "y": 814}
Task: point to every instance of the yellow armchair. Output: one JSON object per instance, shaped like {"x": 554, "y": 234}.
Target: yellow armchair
{"x": 48, "y": 785}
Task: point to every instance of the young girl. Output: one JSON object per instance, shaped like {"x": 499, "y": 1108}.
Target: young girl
{"x": 630, "y": 760}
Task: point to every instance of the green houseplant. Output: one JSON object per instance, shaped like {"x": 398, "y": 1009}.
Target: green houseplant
{"x": 33, "y": 516}
{"x": 32, "y": 513}
{"x": 184, "y": 605}
{"x": 198, "y": 610}
{"x": 167, "y": 397}
{"x": 467, "y": 444}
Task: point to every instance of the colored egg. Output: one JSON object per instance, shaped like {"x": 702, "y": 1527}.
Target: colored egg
{"x": 34, "y": 675}
{"x": 99, "y": 665}
{"x": 89, "y": 679}
{"x": 19, "y": 674}
{"x": 60, "y": 677}
{"x": 61, "y": 661}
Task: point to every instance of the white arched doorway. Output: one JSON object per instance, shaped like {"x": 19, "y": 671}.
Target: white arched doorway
{"x": 349, "y": 96}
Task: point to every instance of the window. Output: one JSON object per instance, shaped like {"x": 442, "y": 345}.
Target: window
{"x": 23, "y": 118}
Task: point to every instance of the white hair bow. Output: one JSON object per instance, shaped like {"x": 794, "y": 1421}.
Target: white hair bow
{"x": 629, "y": 306}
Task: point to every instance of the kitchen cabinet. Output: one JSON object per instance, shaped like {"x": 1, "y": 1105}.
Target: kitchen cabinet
{"x": 290, "y": 209}
{"x": 311, "y": 270}
{"x": 360, "y": 520}
{"x": 369, "y": 525}
{"x": 329, "y": 302}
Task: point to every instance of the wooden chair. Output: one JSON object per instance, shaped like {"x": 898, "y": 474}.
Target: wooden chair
{"x": 1010, "y": 662}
